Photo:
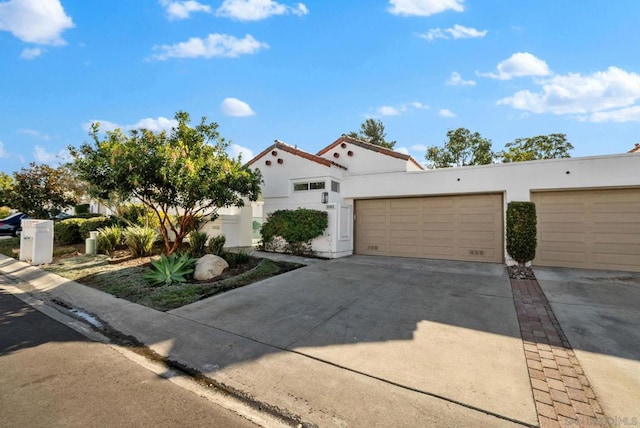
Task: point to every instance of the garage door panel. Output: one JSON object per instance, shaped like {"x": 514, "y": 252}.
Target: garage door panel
{"x": 374, "y": 204}
{"x": 404, "y": 204}
{"x": 436, "y": 252}
{"x": 404, "y": 234}
{"x": 598, "y": 229}
{"x": 401, "y": 219}
{"x": 613, "y": 238}
{"x": 447, "y": 227}
{"x": 564, "y": 237}
{"x": 403, "y": 249}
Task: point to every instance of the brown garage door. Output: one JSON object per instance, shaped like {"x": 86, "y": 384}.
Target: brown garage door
{"x": 593, "y": 229}
{"x": 464, "y": 227}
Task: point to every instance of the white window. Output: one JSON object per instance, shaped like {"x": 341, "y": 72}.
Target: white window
{"x": 314, "y": 185}
{"x": 335, "y": 186}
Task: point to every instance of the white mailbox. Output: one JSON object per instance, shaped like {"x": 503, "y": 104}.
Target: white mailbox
{"x": 36, "y": 241}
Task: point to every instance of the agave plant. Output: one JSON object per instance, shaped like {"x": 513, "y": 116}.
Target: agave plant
{"x": 170, "y": 270}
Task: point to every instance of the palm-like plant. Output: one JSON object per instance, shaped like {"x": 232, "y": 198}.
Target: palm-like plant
{"x": 170, "y": 270}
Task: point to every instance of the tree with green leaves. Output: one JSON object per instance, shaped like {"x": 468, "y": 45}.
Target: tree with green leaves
{"x": 40, "y": 190}
{"x": 6, "y": 186}
{"x": 550, "y": 146}
{"x": 462, "y": 149}
{"x": 186, "y": 172}
{"x": 372, "y": 131}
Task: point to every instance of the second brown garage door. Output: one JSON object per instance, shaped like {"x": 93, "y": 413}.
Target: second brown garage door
{"x": 593, "y": 229}
{"x": 461, "y": 227}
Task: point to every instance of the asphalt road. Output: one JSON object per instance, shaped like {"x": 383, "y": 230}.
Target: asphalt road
{"x": 52, "y": 376}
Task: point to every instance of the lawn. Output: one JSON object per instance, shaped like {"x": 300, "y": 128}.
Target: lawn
{"x": 124, "y": 279}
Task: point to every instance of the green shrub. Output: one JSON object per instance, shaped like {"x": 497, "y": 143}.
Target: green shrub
{"x": 296, "y": 227}
{"x": 109, "y": 239}
{"x": 216, "y": 245}
{"x": 170, "y": 270}
{"x": 140, "y": 240}
{"x": 521, "y": 231}
{"x": 67, "y": 231}
{"x": 242, "y": 257}
{"x": 197, "y": 243}
{"x": 81, "y": 209}
{"x": 87, "y": 225}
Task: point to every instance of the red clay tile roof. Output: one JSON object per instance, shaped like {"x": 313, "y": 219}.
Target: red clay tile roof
{"x": 369, "y": 146}
{"x": 297, "y": 152}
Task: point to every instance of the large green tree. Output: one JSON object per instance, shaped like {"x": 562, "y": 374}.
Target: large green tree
{"x": 372, "y": 131}
{"x": 462, "y": 148}
{"x": 6, "y": 186}
{"x": 40, "y": 190}
{"x": 535, "y": 148}
{"x": 185, "y": 172}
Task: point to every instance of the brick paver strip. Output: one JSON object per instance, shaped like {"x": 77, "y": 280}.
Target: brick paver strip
{"x": 561, "y": 391}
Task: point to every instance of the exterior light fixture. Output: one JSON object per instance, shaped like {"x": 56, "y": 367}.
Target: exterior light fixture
{"x": 325, "y": 197}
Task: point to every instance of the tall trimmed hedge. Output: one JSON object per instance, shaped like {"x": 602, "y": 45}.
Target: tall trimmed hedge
{"x": 521, "y": 231}
{"x": 297, "y": 227}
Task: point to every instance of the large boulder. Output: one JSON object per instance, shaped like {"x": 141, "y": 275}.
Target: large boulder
{"x": 209, "y": 266}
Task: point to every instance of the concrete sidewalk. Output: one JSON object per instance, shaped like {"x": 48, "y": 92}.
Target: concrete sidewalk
{"x": 351, "y": 342}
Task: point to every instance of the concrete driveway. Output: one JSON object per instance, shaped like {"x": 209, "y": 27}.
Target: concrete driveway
{"x": 442, "y": 328}
{"x": 599, "y": 312}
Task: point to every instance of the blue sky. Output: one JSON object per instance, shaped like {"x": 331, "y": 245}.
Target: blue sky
{"x": 304, "y": 73}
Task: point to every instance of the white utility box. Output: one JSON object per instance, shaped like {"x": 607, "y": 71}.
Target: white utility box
{"x": 36, "y": 241}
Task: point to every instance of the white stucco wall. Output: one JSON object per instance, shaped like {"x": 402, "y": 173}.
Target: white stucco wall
{"x": 515, "y": 181}
{"x": 366, "y": 161}
{"x": 277, "y": 177}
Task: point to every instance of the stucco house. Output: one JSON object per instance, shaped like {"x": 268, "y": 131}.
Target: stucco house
{"x": 381, "y": 202}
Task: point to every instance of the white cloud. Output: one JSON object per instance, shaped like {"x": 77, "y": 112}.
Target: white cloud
{"x": 256, "y": 10}
{"x": 457, "y": 80}
{"x": 30, "y": 53}
{"x": 418, "y": 148}
{"x": 402, "y": 150}
{"x": 461, "y": 32}
{"x": 155, "y": 125}
{"x": 629, "y": 114}
{"x": 400, "y": 109}
{"x": 41, "y": 155}
{"x": 603, "y": 96}
{"x": 455, "y": 32}
{"x": 183, "y": 9}
{"x": 236, "y": 150}
{"x": 34, "y": 133}
{"x": 446, "y": 113}
{"x": 236, "y": 108}
{"x": 3, "y": 152}
{"x": 215, "y": 45}
{"x": 424, "y": 7}
{"x": 388, "y": 111}
{"x": 519, "y": 64}
{"x": 35, "y": 21}
{"x": 418, "y": 105}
